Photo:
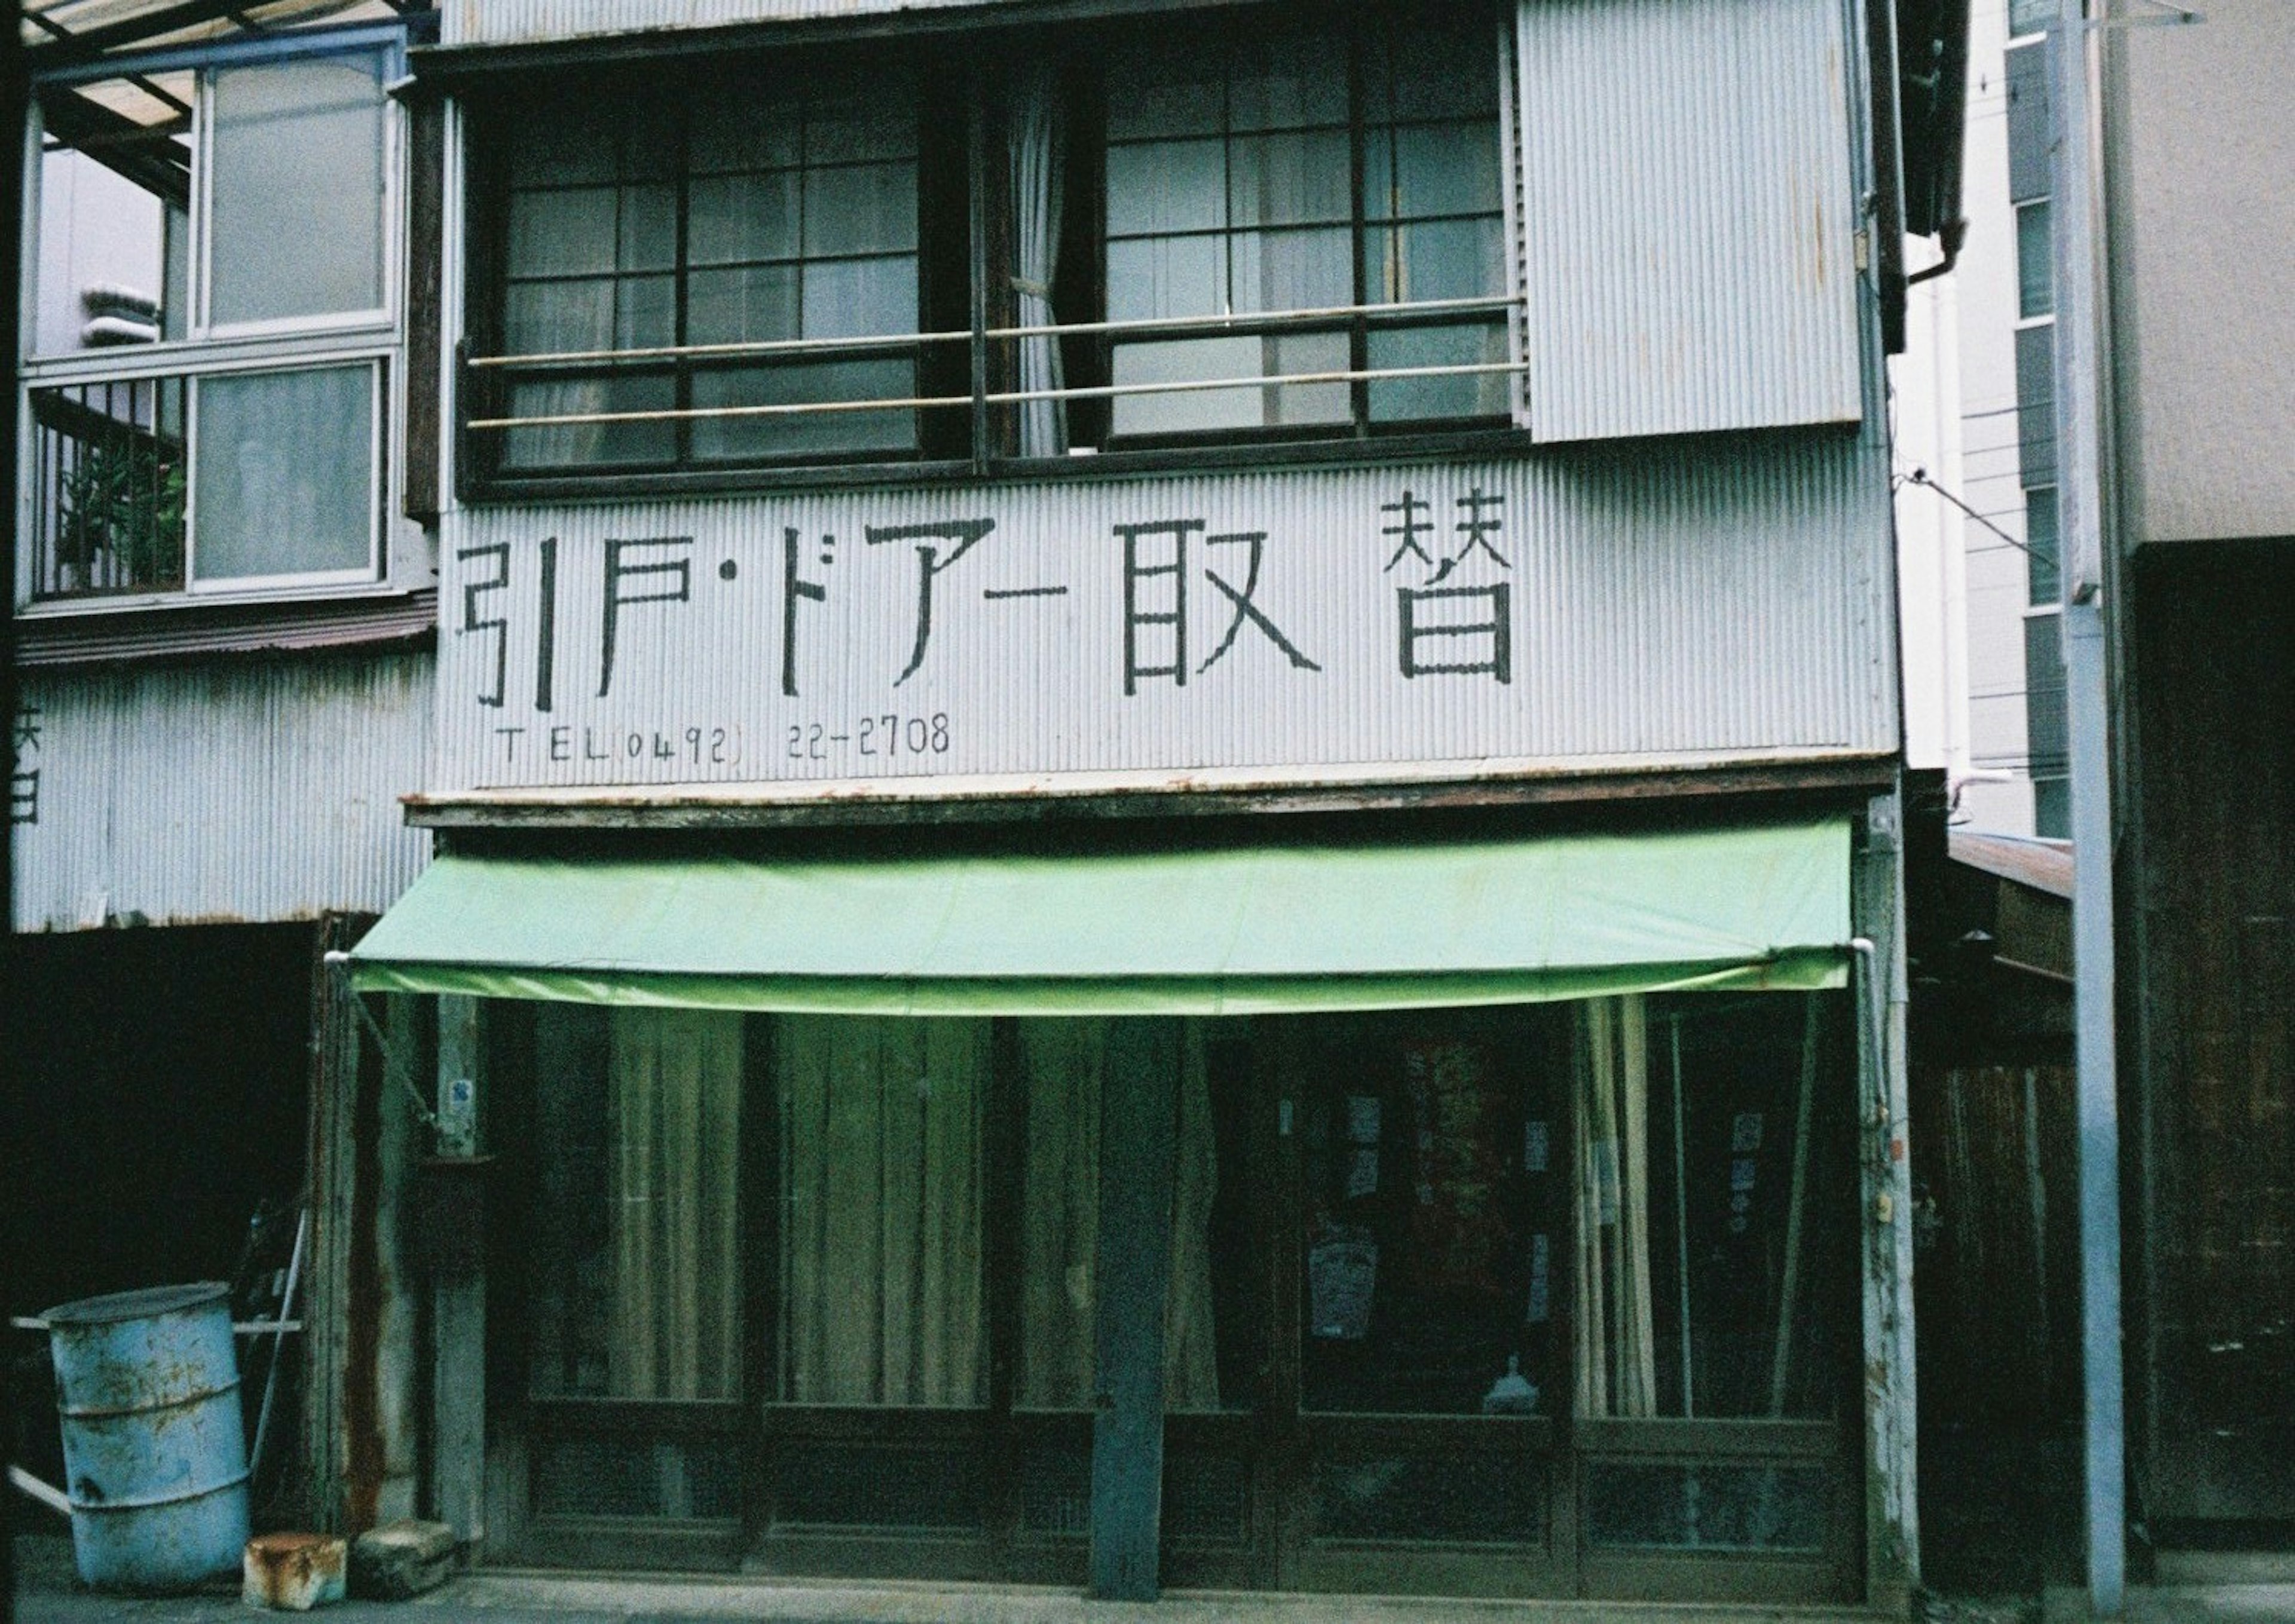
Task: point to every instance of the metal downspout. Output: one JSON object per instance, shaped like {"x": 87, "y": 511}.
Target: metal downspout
{"x": 2080, "y": 452}
{"x": 13, "y": 114}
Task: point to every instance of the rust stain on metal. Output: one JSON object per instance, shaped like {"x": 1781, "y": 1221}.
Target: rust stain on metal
{"x": 293, "y": 1572}
{"x": 364, "y": 1462}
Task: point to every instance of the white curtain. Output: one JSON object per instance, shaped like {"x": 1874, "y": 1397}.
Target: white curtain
{"x": 1617, "y": 1363}
{"x": 673, "y": 1091}
{"x": 881, "y": 1192}
{"x": 1064, "y": 1065}
{"x": 1038, "y": 164}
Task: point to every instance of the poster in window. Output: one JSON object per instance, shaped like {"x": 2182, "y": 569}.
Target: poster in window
{"x": 1341, "y": 1275}
{"x": 1460, "y": 1233}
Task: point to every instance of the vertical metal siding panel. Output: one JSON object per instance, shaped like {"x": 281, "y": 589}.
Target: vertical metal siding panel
{"x": 1688, "y": 199}
{"x": 250, "y": 791}
{"x": 1686, "y": 601}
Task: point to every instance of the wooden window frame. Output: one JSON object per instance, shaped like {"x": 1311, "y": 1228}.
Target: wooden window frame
{"x": 1273, "y": 1443}
{"x": 1359, "y": 428}
{"x": 945, "y": 181}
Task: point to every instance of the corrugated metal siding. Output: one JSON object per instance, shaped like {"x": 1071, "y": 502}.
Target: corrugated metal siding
{"x": 243, "y": 790}
{"x": 499, "y": 22}
{"x": 1691, "y": 215}
{"x": 1699, "y": 602}
{"x": 181, "y": 630}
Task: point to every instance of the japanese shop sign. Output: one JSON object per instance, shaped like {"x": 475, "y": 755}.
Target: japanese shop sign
{"x": 1276, "y": 624}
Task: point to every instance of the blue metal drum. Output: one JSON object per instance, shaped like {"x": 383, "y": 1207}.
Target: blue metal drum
{"x": 155, "y": 1450}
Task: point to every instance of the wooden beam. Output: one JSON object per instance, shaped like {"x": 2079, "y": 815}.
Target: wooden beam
{"x": 456, "y": 1224}
{"x": 145, "y": 156}
{"x": 702, "y": 806}
{"x": 1139, "y": 1135}
{"x": 88, "y": 44}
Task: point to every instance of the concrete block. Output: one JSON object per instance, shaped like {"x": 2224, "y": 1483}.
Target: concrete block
{"x": 401, "y": 1559}
{"x": 292, "y": 1573}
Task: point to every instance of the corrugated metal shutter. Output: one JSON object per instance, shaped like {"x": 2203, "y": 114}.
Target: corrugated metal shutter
{"x": 1689, "y": 212}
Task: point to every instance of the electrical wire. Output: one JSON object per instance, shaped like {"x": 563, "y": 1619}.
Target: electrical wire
{"x": 1920, "y": 477}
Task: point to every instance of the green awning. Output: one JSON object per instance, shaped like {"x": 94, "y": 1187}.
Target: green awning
{"x": 1254, "y": 930}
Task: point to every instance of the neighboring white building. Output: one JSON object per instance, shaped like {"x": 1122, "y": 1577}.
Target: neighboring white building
{"x": 1974, "y": 459}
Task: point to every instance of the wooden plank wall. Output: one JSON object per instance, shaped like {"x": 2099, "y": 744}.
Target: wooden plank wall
{"x": 1997, "y": 1276}
{"x": 2212, "y": 1373}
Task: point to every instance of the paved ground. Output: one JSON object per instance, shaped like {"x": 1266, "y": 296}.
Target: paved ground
{"x": 48, "y": 1592}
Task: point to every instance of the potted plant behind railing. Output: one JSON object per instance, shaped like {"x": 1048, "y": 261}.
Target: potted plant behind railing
{"x": 122, "y": 502}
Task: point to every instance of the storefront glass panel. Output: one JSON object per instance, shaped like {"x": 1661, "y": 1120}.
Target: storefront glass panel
{"x": 1539, "y": 1299}
{"x": 1432, "y": 1200}
{"x": 879, "y": 1297}
{"x": 634, "y": 1305}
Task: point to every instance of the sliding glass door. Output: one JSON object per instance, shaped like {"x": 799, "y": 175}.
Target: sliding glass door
{"x": 1537, "y": 1299}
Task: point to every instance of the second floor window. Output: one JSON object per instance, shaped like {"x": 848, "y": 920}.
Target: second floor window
{"x": 212, "y": 330}
{"x": 1286, "y": 226}
{"x": 1330, "y": 175}
{"x": 760, "y": 251}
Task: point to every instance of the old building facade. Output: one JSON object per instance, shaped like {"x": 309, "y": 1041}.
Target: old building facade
{"x": 1165, "y": 770}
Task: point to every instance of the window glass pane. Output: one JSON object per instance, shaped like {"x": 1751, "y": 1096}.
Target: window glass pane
{"x": 2035, "y": 292}
{"x": 1464, "y": 394}
{"x": 175, "y": 298}
{"x": 648, "y": 236}
{"x": 1707, "y": 1505}
{"x": 1434, "y": 1157}
{"x": 1172, "y": 276}
{"x": 754, "y": 304}
{"x": 2052, "y": 808}
{"x": 1713, "y": 1168}
{"x": 2036, "y": 405}
{"x": 861, "y": 298}
{"x": 284, "y": 473}
{"x": 1457, "y": 1498}
{"x": 736, "y": 218}
{"x": 1444, "y": 169}
{"x": 2029, "y": 16}
{"x": 1291, "y": 270}
{"x": 846, "y": 120}
{"x": 595, "y": 313}
{"x": 1210, "y": 1344}
{"x": 2040, "y": 537}
{"x": 558, "y": 233}
{"x": 622, "y": 1476}
{"x": 751, "y": 129}
{"x": 296, "y": 190}
{"x": 97, "y": 232}
{"x": 847, "y": 1486}
{"x": 1166, "y": 90}
{"x": 635, "y": 1288}
{"x": 795, "y": 434}
{"x": 1294, "y": 81}
{"x": 1185, "y": 412}
{"x": 590, "y": 141}
{"x": 881, "y": 1186}
{"x": 1289, "y": 179}
{"x": 579, "y": 230}
{"x": 1431, "y": 65}
{"x": 867, "y": 208}
{"x": 2047, "y": 740}
{"x": 1166, "y": 186}
{"x": 1441, "y": 261}
{"x": 573, "y": 444}
{"x": 551, "y": 317}
{"x": 107, "y": 514}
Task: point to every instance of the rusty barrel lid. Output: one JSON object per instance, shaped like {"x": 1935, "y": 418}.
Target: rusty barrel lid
{"x": 150, "y": 1302}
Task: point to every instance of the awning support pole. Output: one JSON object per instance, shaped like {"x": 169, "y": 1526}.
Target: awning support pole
{"x": 392, "y": 1063}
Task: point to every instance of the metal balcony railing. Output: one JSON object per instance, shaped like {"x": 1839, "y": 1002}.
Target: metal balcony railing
{"x": 493, "y": 372}
{"x": 110, "y": 479}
